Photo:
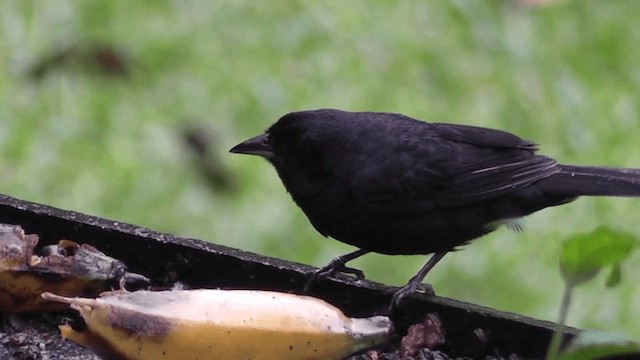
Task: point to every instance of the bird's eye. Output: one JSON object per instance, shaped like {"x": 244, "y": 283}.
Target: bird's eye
{"x": 308, "y": 151}
{"x": 310, "y": 157}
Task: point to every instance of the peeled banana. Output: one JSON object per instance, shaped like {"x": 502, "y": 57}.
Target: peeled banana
{"x": 218, "y": 324}
{"x": 66, "y": 268}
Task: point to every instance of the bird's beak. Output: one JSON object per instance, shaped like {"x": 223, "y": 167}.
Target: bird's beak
{"x": 258, "y": 145}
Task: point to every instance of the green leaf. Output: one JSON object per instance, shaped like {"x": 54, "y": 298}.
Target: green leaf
{"x": 597, "y": 344}
{"x": 582, "y": 256}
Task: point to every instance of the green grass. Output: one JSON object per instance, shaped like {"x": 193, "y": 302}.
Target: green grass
{"x": 565, "y": 76}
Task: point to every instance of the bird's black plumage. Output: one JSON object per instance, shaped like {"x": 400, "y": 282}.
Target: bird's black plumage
{"x": 391, "y": 184}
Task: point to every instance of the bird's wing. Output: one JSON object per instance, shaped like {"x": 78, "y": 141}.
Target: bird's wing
{"x": 447, "y": 166}
{"x": 495, "y": 176}
{"x": 482, "y": 137}
{"x": 489, "y": 163}
{"x": 458, "y": 165}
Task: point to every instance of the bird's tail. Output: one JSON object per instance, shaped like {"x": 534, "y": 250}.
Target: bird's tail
{"x": 573, "y": 181}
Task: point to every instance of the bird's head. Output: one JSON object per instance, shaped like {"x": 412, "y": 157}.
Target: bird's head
{"x": 301, "y": 144}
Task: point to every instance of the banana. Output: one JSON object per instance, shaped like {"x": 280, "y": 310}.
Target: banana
{"x": 218, "y": 324}
{"x": 66, "y": 268}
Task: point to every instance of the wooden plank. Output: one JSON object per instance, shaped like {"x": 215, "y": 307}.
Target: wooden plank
{"x": 167, "y": 259}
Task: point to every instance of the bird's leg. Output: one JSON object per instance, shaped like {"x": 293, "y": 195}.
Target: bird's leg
{"x": 336, "y": 265}
{"x": 416, "y": 282}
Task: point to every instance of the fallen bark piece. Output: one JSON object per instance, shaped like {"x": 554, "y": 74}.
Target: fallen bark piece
{"x": 218, "y": 324}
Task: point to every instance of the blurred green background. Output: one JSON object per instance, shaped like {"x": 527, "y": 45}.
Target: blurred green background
{"x": 96, "y": 99}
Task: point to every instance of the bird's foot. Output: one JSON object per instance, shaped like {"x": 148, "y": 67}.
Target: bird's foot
{"x": 410, "y": 288}
{"x": 330, "y": 270}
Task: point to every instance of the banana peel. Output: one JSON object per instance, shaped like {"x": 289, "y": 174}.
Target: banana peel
{"x": 218, "y": 324}
{"x": 65, "y": 268}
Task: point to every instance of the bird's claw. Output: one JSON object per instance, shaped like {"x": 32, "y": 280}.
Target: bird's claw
{"x": 408, "y": 289}
{"x": 357, "y": 273}
{"x": 312, "y": 278}
{"x": 331, "y": 270}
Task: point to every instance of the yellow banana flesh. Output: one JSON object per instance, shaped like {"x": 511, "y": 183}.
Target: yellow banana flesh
{"x": 219, "y": 324}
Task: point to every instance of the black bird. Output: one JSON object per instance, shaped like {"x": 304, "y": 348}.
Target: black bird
{"x": 391, "y": 184}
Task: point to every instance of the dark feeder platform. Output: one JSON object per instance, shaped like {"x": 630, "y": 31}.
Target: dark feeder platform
{"x": 471, "y": 331}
